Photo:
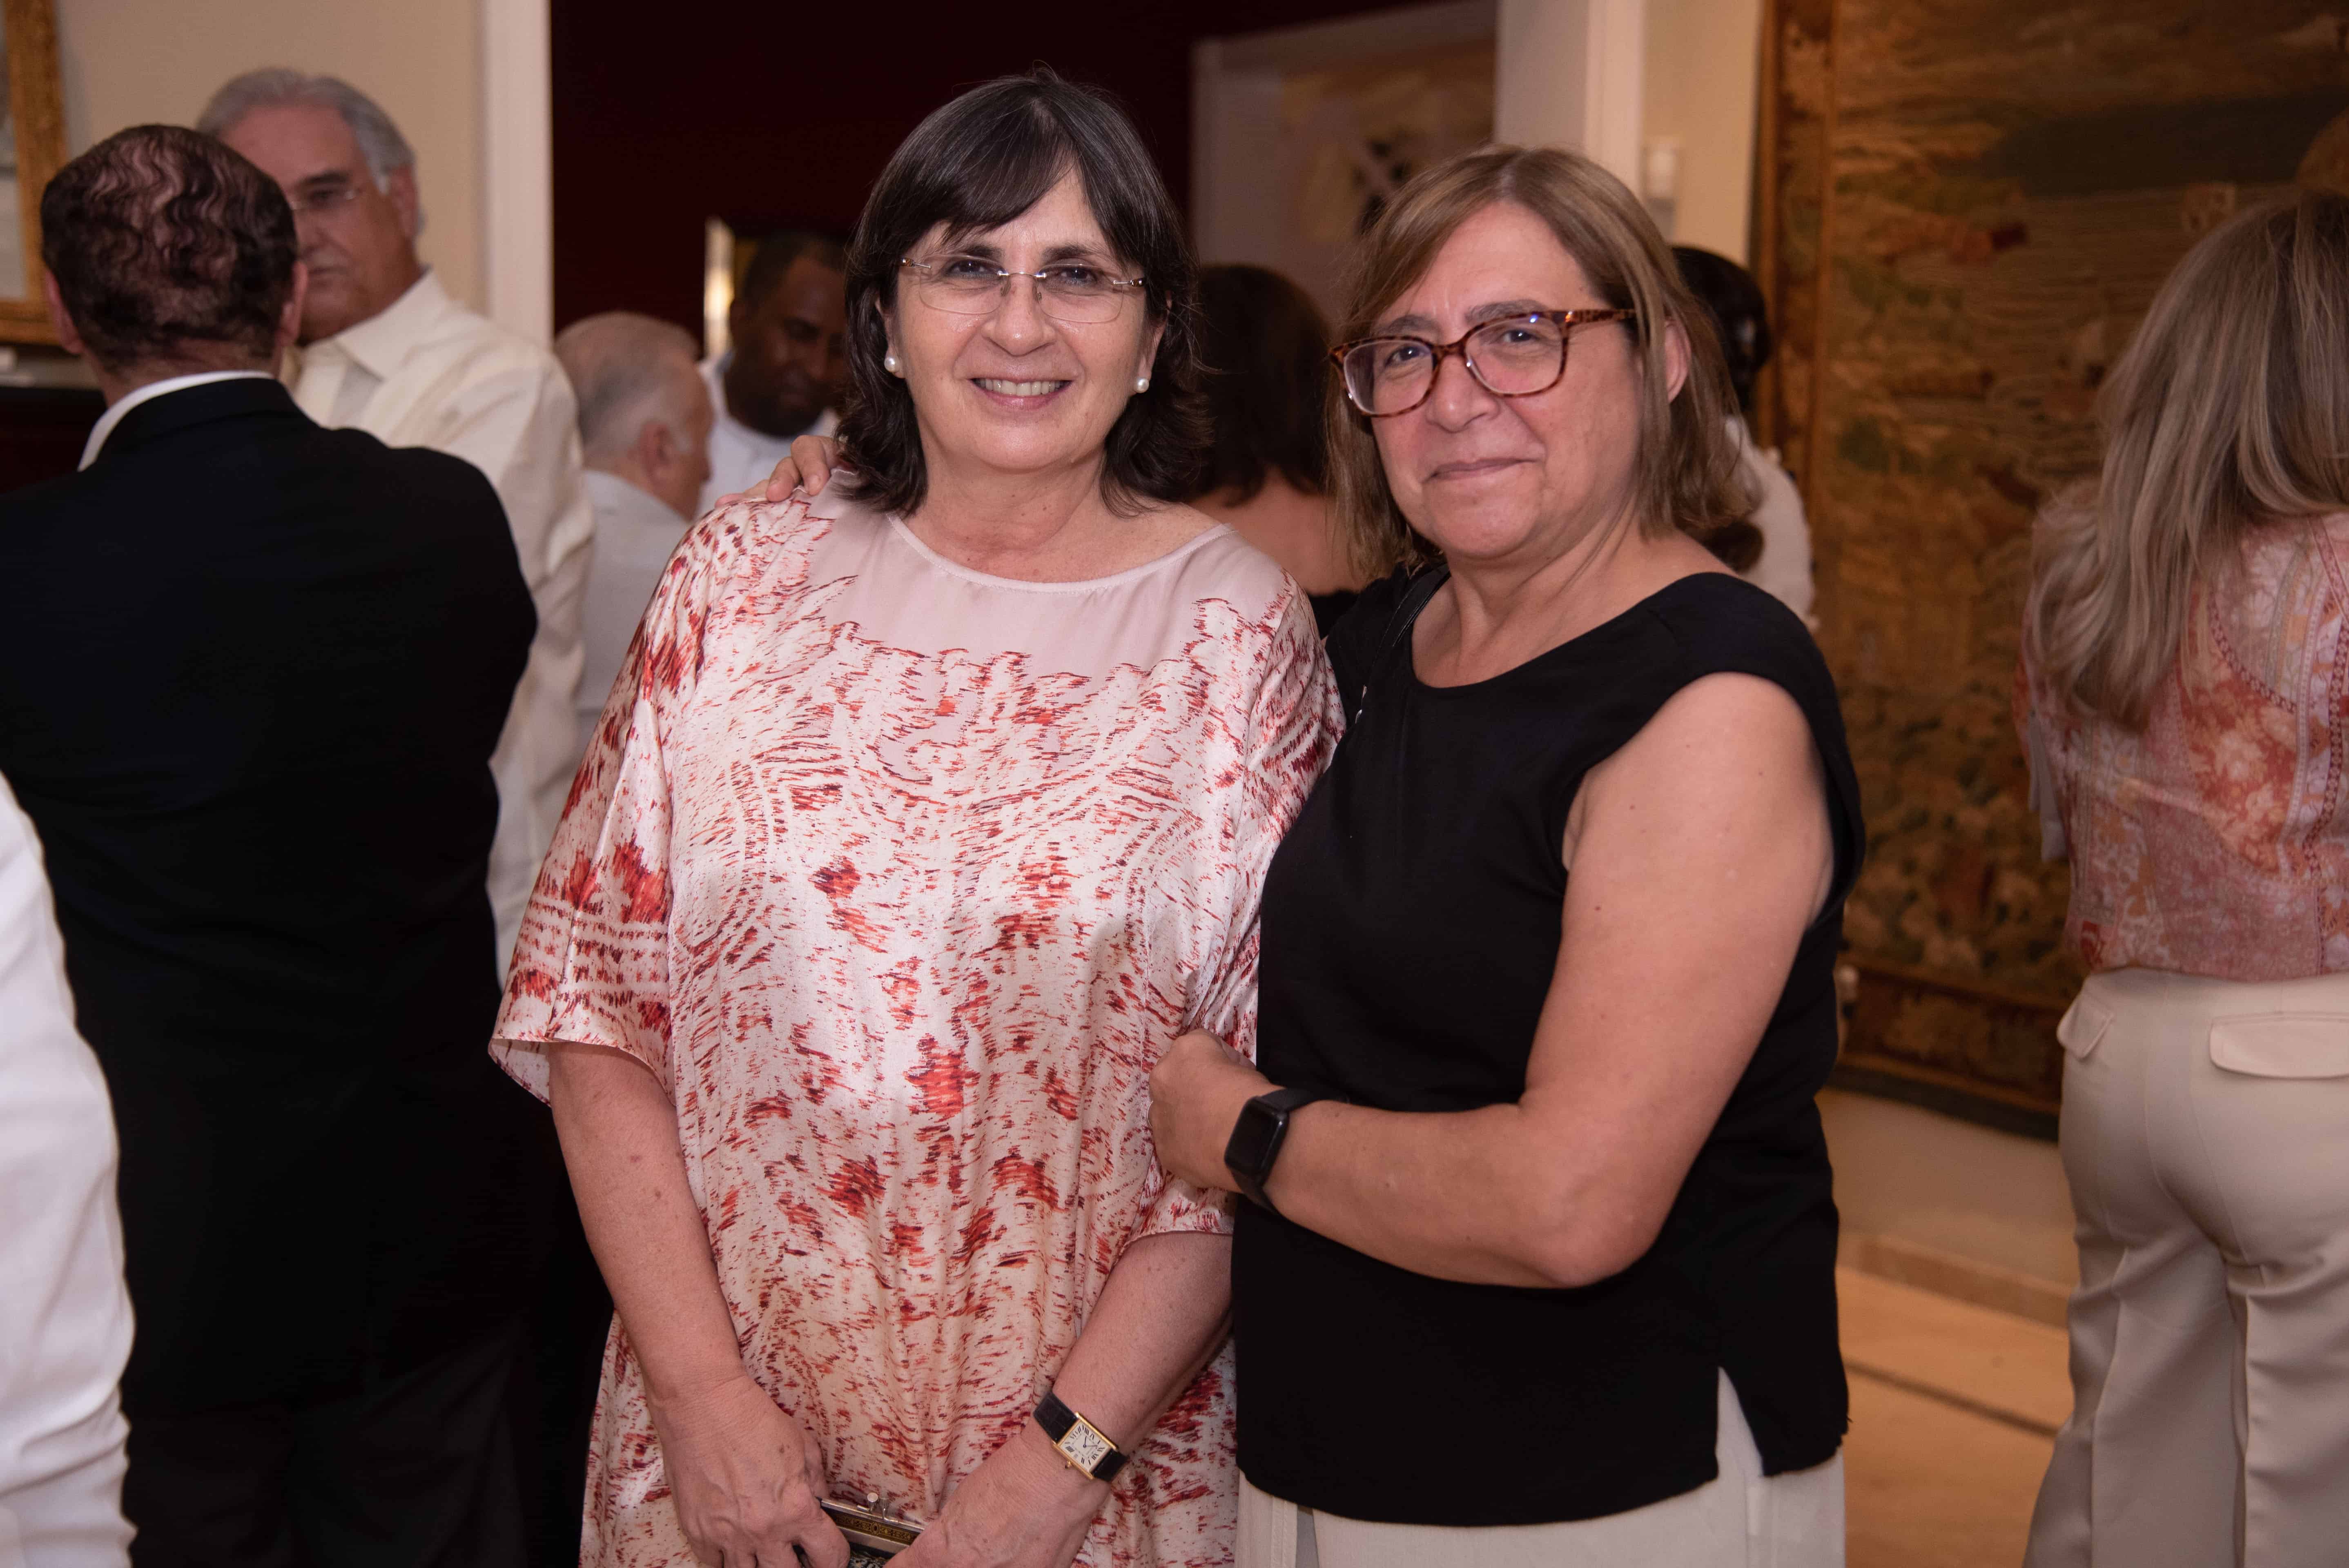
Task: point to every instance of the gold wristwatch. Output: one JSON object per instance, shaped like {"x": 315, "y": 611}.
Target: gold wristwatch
{"x": 1085, "y": 1447}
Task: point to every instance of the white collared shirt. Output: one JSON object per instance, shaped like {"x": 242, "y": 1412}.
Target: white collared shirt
{"x": 1784, "y": 570}
{"x": 741, "y": 459}
{"x": 147, "y": 393}
{"x": 427, "y": 372}
{"x": 65, "y": 1313}
{"x": 636, "y": 533}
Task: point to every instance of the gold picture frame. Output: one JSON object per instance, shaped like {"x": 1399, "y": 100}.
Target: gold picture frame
{"x": 34, "y": 125}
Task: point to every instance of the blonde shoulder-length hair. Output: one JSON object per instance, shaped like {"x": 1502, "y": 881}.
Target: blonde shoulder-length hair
{"x": 2228, "y": 411}
{"x": 1687, "y": 473}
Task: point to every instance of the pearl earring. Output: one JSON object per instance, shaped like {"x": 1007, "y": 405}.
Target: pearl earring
{"x": 1141, "y": 384}
{"x": 889, "y": 363}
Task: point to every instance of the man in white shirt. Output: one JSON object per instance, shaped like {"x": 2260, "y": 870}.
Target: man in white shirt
{"x": 386, "y": 351}
{"x": 644, "y": 426}
{"x": 65, "y": 1313}
{"x": 789, "y": 363}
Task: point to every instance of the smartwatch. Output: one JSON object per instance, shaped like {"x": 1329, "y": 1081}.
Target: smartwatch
{"x": 1084, "y": 1448}
{"x": 1256, "y": 1137}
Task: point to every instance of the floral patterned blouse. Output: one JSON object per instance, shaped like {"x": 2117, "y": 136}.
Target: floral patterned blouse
{"x": 2216, "y": 842}
{"x": 900, "y": 877}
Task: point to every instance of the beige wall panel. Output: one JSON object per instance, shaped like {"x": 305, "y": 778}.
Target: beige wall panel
{"x": 1704, "y": 65}
{"x": 132, "y": 62}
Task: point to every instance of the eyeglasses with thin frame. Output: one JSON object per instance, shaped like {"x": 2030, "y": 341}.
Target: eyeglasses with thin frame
{"x": 1076, "y": 293}
{"x": 1512, "y": 357}
{"x": 322, "y": 202}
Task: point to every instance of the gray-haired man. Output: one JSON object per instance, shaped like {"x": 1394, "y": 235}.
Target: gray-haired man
{"x": 386, "y": 351}
{"x": 644, "y": 422}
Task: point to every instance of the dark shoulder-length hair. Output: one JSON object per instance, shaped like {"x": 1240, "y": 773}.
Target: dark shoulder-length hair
{"x": 1685, "y": 476}
{"x": 1266, "y": 349}
{"x": 977, "y": 164}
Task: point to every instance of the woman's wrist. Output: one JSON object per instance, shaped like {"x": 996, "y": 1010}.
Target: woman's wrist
{"x": 694, "y": 1378}
{"x": 1068, "y": 1488}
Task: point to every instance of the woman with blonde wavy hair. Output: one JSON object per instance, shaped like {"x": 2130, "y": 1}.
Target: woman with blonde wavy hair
{"x": 2186, "y": 686}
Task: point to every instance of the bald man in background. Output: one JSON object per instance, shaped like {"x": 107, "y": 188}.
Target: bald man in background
{"x": 644, "y": 415}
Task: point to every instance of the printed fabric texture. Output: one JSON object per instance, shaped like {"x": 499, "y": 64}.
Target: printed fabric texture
{"x": 899, "y": 878}
{"x": 2216, "y": 842}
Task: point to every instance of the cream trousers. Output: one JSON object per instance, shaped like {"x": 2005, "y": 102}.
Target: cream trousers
{"x": 2206, "y": 1137}
{"x": 1741, "y": 1519}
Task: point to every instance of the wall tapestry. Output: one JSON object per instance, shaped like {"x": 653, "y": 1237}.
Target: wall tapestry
{"x": 1964, "y": 207}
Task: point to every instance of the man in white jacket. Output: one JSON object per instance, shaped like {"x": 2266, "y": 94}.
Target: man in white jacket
{"x": 64, "y": 1314}
{"x": 386, "y": 350}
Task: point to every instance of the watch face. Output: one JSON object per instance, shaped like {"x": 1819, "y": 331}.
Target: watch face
{"x": 1084, "y": 1447}
{"x": 1252, "y": 1142}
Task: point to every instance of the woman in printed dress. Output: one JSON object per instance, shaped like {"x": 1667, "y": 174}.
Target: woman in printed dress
{"x": 920, "y": 821}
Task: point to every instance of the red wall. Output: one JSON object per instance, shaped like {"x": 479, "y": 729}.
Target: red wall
{"x": 774, "y": 114}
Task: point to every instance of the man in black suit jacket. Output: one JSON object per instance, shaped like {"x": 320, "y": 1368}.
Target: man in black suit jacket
{"x": 251, "y": 675}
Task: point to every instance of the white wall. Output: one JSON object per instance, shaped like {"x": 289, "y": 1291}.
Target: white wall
{"x": 1614, "y": 77}
{"x": 1569, "y": 75}
{"x": 1702, "y": 86}
{"x": 465, "y": 80}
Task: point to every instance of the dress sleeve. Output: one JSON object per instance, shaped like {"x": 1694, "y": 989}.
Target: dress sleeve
{"x": 1293, "y": 724}
{"x": 591, "y": 965}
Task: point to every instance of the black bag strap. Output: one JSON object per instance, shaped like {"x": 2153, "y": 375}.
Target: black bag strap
{"x": 1399, "y": 625}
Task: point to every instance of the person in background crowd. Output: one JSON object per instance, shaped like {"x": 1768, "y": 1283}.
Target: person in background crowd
{"x": 1782, "y": 565}
{"x": 788, "y": 364}
{"x": 1268, "y": 468}
{"x": 643, "y": 428}
{"x": 386, "y": 351}
{"x": 2186, "y": 678}
{"x": 1542, "y": 1239}
{"x": 252, "y": 673}
{"x": 65, "y": 1313}
{"x": 919, "y": 824}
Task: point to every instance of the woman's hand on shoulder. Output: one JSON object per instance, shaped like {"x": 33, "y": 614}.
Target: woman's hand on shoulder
{"x": 745, "y": 1478}
{"x": 1024, "y": 1507}
{"x": 807, "y": 471}
{"x": 1197, "y": 1091}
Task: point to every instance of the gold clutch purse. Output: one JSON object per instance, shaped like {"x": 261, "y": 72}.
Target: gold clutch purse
{"x": 875, "y": 1534}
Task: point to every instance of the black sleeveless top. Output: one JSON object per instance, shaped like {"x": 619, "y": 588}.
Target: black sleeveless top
{"x": 1410, "y": 933}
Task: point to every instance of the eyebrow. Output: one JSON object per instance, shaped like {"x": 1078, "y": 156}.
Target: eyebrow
{"x": 1499, "y": 310}
{"x": 325, "y": 178}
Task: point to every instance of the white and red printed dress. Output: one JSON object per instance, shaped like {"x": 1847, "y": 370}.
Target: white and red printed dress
{"x": 899, "y": 877}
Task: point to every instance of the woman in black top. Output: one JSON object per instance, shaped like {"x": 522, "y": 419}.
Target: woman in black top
{"x": 1543, "y": 1240}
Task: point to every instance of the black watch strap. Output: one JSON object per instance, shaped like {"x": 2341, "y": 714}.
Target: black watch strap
{"x": 1256, "y": 1137}
{"x": 1084, "y": 1448}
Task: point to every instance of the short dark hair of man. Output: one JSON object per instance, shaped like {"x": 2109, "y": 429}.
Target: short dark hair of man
{"x": 977, "y": 164}
{"x": 1269, "y": 377}
{"x": 772, "y": 259}
{"x": 1739, "y": 315}
{"x": 164, "y": 242}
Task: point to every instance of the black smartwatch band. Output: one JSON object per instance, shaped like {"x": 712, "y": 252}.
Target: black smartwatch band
{"x": 1084, "y": 1448}
{"x": 1256, "y": 1137}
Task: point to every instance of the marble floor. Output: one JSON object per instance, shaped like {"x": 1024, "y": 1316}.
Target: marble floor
{"x": 1953, "y": 1411}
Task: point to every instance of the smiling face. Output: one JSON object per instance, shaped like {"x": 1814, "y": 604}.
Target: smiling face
{"x": 358, "y": 239}
{"x": 1523, "y": 480}
{"x": 1014, "y": 391}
